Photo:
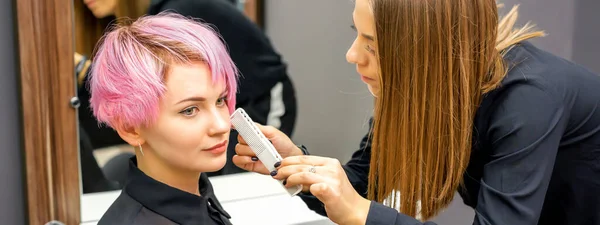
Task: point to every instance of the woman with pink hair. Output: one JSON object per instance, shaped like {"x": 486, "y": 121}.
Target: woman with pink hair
{"x": 167, "y": 85}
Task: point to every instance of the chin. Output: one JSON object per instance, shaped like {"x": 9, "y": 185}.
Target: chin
{"x": 99, "y": 14}
{"x": 374, "y": 90}
{"x": 212, "y": 164}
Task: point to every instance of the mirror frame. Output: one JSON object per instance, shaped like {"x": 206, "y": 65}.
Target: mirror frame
{"x": 50, "y": 151}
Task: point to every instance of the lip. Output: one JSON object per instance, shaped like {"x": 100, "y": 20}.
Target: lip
{"x": 218, "y": 148}
{"x": 89, "y": 2}
{"x": 366, "y": 79}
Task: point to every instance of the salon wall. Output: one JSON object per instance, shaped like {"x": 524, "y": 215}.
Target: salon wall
{"x": 586, "y": 49}
{"x": 555, "y": 17}
{"x": 12, "y": 198}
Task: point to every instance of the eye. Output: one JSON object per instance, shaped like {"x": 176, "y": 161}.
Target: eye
{"x": 222, "y": 101}
{"x": 369, "y": 49}
{"x": 190, "y": 111}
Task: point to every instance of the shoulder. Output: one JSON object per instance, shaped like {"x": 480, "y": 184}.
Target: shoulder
{"x": 222, "y": 15}
{"x": 534, "y": 78}
{"x": 124, "y": 210}
{"x": 529, "y": 66}
{"x": 533, "y": 93}
{"x": 199, "y": 8}
{"x": 127, "y": 211}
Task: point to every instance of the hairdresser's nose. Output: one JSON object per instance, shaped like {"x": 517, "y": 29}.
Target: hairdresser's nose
{"x": 220, "y": 123}
{"x": 354, "y": 56}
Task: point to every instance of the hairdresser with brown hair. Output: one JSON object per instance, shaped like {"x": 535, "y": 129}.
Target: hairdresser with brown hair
{"x": 463, "y": 103}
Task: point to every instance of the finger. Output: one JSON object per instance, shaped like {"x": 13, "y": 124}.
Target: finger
{"x": 246, "y": 163}
{"x": 305, "y": 178}
{"x": 242, "y": 160}
{"x": 241, "y": 140}
{"x": 244, "y": 150}
{"x": 306, "y": 160}
{"x": 286, "y": 171}
{"x": 325, "y": 193}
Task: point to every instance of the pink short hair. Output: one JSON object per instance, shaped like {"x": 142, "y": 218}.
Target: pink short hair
{"x": 127, "y": 79}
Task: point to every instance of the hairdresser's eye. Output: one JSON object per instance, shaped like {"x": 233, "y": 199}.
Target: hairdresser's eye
{"x": 222, "y": 101}
{"x": 190, "y": 111}
{"x": 369, "y": 49}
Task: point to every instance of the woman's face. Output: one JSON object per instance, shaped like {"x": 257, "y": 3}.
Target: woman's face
{"x": 102, "y": 8}
{"x": 362, "y": 53}
{"x": 192, "y": 129}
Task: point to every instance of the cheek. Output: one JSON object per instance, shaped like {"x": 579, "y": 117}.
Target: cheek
{"x": 108, "y": 3}
{"x": 175, "y": 133}
{"x": 226, "y": 114}
{"x": 104, "y": 7}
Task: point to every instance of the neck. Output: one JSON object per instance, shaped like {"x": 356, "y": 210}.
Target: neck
{"x": 161, "y": 171}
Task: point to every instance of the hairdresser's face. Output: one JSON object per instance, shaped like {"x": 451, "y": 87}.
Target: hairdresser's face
{"x": 102, "y": 8}
{"x": 192, "y": 129}
{"x": 362, "y": 53}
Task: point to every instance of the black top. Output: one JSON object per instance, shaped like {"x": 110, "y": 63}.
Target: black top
{"x": 536, "y": 151}
{"x": 149, "y": 202}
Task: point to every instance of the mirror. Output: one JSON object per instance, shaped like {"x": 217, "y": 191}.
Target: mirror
{"x": 104, "y": 155}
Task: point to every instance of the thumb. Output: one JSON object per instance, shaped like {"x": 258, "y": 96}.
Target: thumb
{"x": 324, "y": 193}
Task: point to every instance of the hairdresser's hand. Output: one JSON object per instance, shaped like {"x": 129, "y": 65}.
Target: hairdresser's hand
{"x": 326, "y": 180}
{"x": 246, "y": 159}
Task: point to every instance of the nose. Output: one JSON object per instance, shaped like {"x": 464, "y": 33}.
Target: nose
{"x": 355, "y": 57}
{"x": 220, "y": 124}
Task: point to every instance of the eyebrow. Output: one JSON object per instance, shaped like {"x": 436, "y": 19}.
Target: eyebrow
{"x": 198, "y": 98}
{"x": 369, "y": 37}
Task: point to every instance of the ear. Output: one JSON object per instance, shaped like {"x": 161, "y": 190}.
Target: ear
{"x": 131, "y": 135}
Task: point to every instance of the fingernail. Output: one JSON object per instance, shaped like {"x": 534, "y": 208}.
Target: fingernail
{"x": 284, "y": 181}
{"x": 273, "y": 173}
{"x": 277, "y": 164}
{"x": 254, "y": 158}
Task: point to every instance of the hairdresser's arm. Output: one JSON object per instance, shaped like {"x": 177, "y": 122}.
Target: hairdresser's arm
{"x": 357, "y": 170}
{"x": 525, "y": 129}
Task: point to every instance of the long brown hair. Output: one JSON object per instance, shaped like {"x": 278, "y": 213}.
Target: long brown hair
{"x": 88, "y": 29}
{"x": 437, "y": 58}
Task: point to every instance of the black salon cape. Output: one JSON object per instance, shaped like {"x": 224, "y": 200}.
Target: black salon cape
{"x": 145, "y": 201}
{"x": 536, "y": 151}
